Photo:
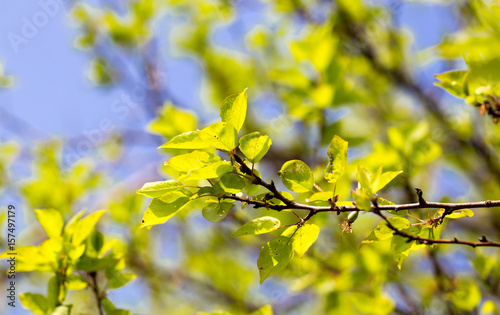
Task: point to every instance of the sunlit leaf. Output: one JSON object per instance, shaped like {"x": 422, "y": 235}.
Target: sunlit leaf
{"x": 337, "y": 156}
{"x": 234, "y": 109}
{"x": 361, "y": 199}
{"x": 214, "y": 170}
{"x": 297, "y": 176}
{"x": 84, "y": 227}
{"x": 258, "y": 226}
{"x": 34, "y": 302}
{"x": 51, "y": 220}
{"x": 254, "y": 146}
{"x": 274, "y": 256}
{"x": 193, "y": 160}
{"x": 156, "y": 189}
{"x": 163, "y": 208}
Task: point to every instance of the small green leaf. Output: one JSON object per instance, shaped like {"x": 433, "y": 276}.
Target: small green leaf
{"x": 193, "y": 160}
{"x": 187, "y": 140}
{"x": 156, "y": 189}
{"x": 384, "y": 232}
{"x": 221, "y": 136}
{"x": 230, "y": 183}
{"x": 381, "y": 180}
{"x": 118, "y": 279}
{"x": 361, "y": 199}
{"x": 84, "y": 227}
{"x": 274, "y": 256}
{"x": 51, "y": 221}
{"x": 215, "y": 212}
{"x": 400, "y": 246}
{"x": 258, "y": 226}
{"x": 364, "y": 179}
{"x": 454, "y": 82}
{"x": 161, "y": 209}
{"x": 337, "y": 156}
{"x": 297, "y": 176}
{"x": 34, "y": 302}
{"x": 234, "y": 109}
{"x": 213, "y": 170}
{"x": 254, "y": 146}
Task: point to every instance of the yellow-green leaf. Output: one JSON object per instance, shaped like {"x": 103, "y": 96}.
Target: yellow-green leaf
{"x": 297, "y": 176}
{"x": 51, "y": 221}
{"x": 337, "y": 156}
{"x": 258, "y": 226}
{"x": 34, "y": 302}
{"x": 274, "y": 256}
{"x": 254, "y": 146}
{"x": 361, "y": 199}
{"x": 305, "y": 236}
{"x": 84, "y": 227}
{"x": 156, "y": 189}
{"x": 213, "y": 170}
{"x": 163, "y": 208}
{"x": 234, "y": 109}
{"x": 196, "y": 159}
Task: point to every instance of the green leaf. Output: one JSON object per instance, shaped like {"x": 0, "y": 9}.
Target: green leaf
{"x": 297, "y": 176}
{"x": 234, "y": 109}
{"x": 305, "y": 236}
{"x": 321, "y": 196}
{"x": 84, "y": 227}
{"x": 51, "y": 221}
{"x": 364, "y": 179}
{"x": 156, "y": 189}
{"x": 230, "y": 183}
{"x": 187, "y": 140}
{"x": 457, "y": 214}
{"x": 361, "y": 199}
{"x": 274, "y": 256}
{"x": 221, "y": 136}
{"x": 254, "y": 146}
{"x": 213, "y": 170}
{"x": 110, "y": 308}
{"x": 381, "y": 180}
{"x": 34, "y": 302}
{"x": 161, "y": 209}
{"x": 251, "y": 188}
{"x": 258, "y": 226}
{"x": 118, "y": 279}
{"x": 384, "y": 232}
{"x": 400, "y": 246}
{"x": 196, "y": 159}
{"x": 453, "y": 82}
{"x": 215, "y": 212}
{"x": 337, "y": 156}
{"x": 96, "y": 263}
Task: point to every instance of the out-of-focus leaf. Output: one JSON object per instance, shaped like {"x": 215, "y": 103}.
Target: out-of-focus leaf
{"x": 51, "y": 221}
{"x": 337, "y": 155}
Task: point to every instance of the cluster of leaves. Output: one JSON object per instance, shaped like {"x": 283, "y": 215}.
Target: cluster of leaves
{"x": 237, "y": 180}
{"x": 78, "y": 256}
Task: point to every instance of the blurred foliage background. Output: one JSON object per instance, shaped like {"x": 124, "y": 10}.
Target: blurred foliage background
{"x": 363, "y": 70}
